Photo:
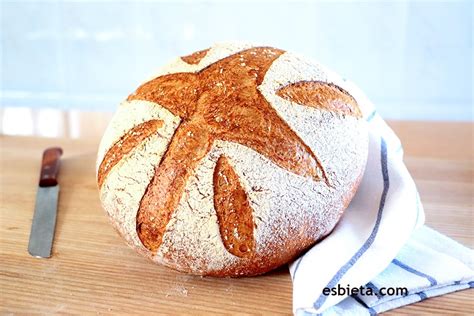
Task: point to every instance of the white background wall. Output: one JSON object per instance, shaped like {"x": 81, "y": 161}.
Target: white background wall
{"x": 413, "y": 58}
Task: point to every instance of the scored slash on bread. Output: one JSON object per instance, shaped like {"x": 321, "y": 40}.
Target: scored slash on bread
{"x": 222, "y": 102}
{"x": 233, "y": 209}
{"x": 195, "y": 57}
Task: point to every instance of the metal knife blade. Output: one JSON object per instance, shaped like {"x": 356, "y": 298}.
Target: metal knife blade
{"x": 44, "y": 218}
{"x": 44, "y": 222}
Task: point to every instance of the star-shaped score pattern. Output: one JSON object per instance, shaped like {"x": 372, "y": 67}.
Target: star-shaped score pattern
{"x": 222, "y": 102}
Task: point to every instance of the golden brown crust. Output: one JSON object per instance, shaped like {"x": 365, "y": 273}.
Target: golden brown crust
{"x": 223, "y": 102}
{"x": 126, "y": 144}
{"x": 178, "y": 93}
{"x": 234, "y": 214}
{"x": 219, "y": 102}
{"x": 195, "y": 57}
{"x": 321, "y": 95}
{"x": 188, "y": 146}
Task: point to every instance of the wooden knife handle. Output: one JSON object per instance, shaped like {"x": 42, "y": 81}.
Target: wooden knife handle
{"x": 50, "y": 167}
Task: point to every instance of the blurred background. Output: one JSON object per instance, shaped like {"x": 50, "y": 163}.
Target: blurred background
{"x": 414, "y": 59}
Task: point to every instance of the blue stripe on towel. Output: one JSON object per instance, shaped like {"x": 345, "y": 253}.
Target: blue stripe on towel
{"x": 422, "y": 296}
{"x": 386, "y": 183}
{"x": 414, "y": 271}
{"x": 296, "y": 267}
{"x": 306, "y": 313}
{"x": 370, "y": 285}
{"x": 372, "y": 311}
{"x": 371, "y": 116}
{"x": 471, "y": 284}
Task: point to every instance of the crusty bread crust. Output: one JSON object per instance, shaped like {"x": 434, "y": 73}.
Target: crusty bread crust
{"x": 241, "y": 181}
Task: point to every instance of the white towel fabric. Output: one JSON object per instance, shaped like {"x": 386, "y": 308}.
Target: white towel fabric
{"x": 380, "y": 242}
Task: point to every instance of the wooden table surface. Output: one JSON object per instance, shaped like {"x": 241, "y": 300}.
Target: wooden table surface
{"x": 93, "y": 271}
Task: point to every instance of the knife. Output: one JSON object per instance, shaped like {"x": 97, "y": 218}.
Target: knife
{"x": 44, "y": 219}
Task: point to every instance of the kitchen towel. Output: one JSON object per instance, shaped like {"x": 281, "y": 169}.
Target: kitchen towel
{"x": 380, "y": 242}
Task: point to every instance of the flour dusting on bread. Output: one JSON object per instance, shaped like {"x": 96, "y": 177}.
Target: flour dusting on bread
{"x": 292, "y": 206}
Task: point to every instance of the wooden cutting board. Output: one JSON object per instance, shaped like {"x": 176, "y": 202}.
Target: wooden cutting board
{"x": 93, "y": 271}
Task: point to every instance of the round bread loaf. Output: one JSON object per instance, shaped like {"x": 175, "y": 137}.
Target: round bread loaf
{"x": 232, "y": 161}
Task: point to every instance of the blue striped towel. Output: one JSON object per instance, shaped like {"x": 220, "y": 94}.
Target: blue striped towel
{"x": 380, "y": 242}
